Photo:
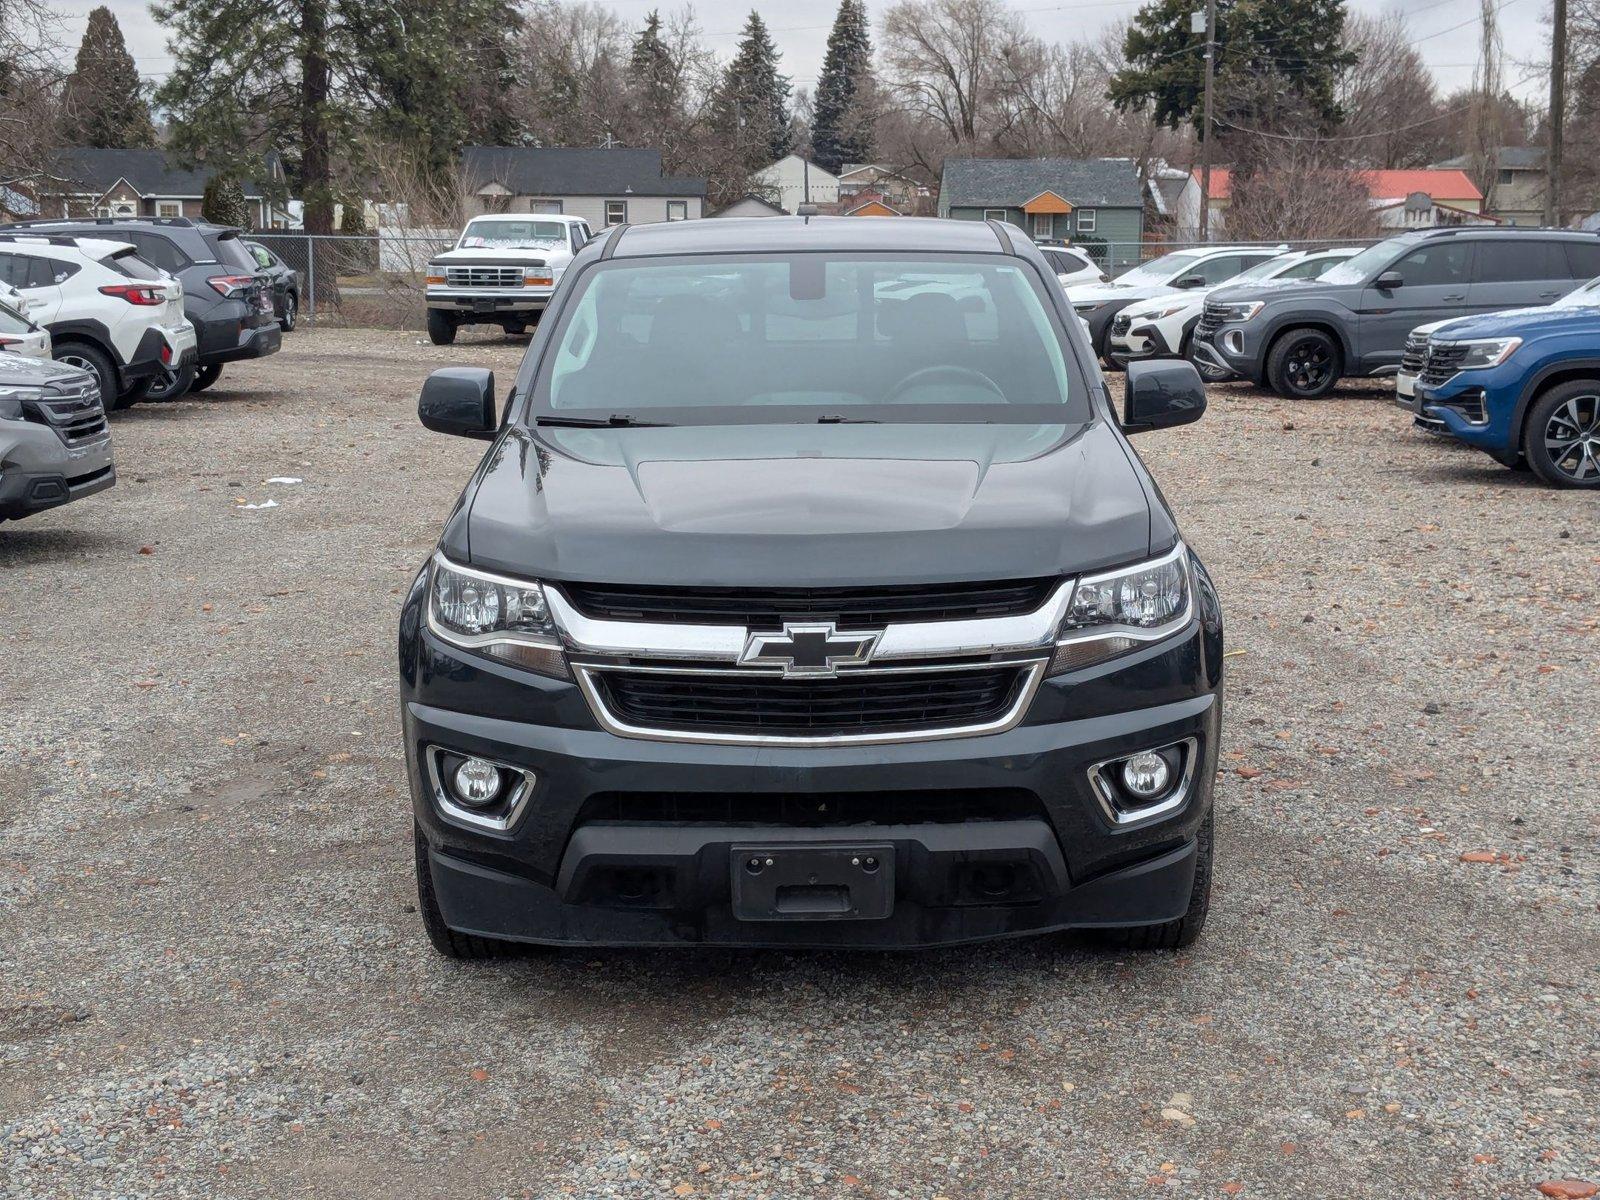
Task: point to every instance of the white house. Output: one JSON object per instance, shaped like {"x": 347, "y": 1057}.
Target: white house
{"x": 605, "y": 187}
{"x": 794, "y": 181}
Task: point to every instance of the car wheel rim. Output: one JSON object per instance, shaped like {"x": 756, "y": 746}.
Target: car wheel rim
{"x": 1572, "y": 438}
{"x": 1310, "y": 364}
{"x": 83, "y": 364}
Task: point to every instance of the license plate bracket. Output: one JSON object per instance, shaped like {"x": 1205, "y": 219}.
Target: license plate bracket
{"x": 813, "y": 882}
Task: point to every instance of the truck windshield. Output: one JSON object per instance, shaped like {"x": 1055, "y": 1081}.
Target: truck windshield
{"x": 809, "y": 338}
{"x": 512, "y": 233}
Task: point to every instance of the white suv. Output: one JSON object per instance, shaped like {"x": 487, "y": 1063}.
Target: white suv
{"x": 106, "y": 309}
{"x": 501, "y": 271}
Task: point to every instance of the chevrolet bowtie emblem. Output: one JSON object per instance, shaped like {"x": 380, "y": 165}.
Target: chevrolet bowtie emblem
{"x": 814, "y": 648}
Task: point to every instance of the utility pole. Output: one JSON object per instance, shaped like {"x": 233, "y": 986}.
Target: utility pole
{"x": 1205, "y": 128}
{"x": 1558, "y": 112}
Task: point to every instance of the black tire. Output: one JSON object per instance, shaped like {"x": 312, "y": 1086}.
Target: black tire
{"x": 446, "y": 940}
{"x": 171, "y": 385}
{"x": 1304, "y": 364}
{"x": 1561, "y": 437}
{"x": 1174, "y": 935}
{"x": 291, "y": 312}
{"x": 206, "y": 376}
{"x": 441, "y": 327}
{"x": 97, "y": 361}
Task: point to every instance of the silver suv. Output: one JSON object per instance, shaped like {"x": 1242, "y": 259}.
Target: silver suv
{"x": 55, "y": 445}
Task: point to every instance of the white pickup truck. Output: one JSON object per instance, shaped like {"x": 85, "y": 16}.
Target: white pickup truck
{"x": 501, "y": 271}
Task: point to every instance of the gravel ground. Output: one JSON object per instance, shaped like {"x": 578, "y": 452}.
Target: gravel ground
{"x": 213, "y": 982}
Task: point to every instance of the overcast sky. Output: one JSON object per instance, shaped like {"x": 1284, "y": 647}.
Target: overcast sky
{"x": 1445, "y": 31}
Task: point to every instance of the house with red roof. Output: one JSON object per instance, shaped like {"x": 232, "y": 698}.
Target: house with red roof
{"x": 1402, "y": 199}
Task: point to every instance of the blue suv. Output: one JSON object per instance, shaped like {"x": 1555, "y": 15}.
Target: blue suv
{"x": 1522, "y": 385}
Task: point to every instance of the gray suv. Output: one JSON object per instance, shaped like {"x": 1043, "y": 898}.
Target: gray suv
{"x": 1300, "y": 339}
{"x": 54, "y": 442}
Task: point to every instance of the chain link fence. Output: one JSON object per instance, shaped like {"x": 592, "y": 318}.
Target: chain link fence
{"x": 377, "y": 280}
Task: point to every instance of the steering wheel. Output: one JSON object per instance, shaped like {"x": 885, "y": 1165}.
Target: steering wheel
{"x": 942, "y": 373}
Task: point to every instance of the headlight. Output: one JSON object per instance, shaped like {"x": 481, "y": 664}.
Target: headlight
{"x": 1484, "y": 352}
{"x": 1171, "y": 311}
{"x": 435, "y": 273}
{"x": 1114, "y": 612}
{"x": 508, "y": 619}
{"x": 1238, "y": 312}
{"x": 1090, "y": 306}
{"x": 11, "y": 399}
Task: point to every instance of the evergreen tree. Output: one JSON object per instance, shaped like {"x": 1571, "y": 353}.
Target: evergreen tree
{"x": 325, "y": 81}
{"x": 652, "y": 71}
{"x": 841, "y": 125}
{"x": 753, "y": 102}
{"x": 103, "y": 101}
{"x": 223, "y": 202}
{"x": 1278, "y": 62}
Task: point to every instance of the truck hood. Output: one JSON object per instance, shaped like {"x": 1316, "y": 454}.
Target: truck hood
{"x": 557, "y": 253}
{"x": 819, "y": 505}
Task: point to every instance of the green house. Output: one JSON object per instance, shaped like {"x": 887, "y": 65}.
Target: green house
{"x": 1095, "y": 203}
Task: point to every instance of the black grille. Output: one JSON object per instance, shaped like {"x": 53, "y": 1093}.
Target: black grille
{"x": 813, "y": 808}
{"x": 1121, "y": 323}
{"x": 1210, "y": 321}
{"x": 1468, "y": 403}
{"x": 1441, "y": 362}
{"x": 731, "y": 702}
{"x": 1416, "y": 348}
{"x": 768, "y": 607}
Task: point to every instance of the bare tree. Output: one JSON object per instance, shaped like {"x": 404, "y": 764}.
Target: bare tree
{"x": 571, "y": 69}
{"x": 30, "y": 84}
{"x": 1386, "y": 96}
{"x": 942, "y": 60}
{"x": 1294, "y": 189}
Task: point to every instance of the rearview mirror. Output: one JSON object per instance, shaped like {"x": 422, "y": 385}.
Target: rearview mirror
{"x": 1161, "y": 393}
{"x": 1389, "y": 280}
{"x": 459, "y": 400}
{"x": 1191, "y": 281}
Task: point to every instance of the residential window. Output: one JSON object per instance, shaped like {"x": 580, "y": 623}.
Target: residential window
{"x": 544, "y": 206}
{"x": 995, "y": 214}
{"x": 1505, "y": 176}
{"x": 616, "y": 212}
{"x": 1041, "y": 225}
{"x": 169, "y": 208}
{"x": 677, "y": 210}
{"x": 1086, "y": 218}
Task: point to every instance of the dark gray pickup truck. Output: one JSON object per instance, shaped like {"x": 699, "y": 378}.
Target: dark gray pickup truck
{"x": 809, "y": 593}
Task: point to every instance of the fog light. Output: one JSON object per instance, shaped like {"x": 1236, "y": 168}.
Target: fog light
{"x": 477, "y": 782}
{"x": 1146, "y": 775}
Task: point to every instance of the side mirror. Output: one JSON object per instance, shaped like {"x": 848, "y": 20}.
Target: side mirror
{"x": 1388, "y": 281}
{"x": 1190, "y": 281}
{"x": 459, "y": 400}
{"x": 1161, "y": 393}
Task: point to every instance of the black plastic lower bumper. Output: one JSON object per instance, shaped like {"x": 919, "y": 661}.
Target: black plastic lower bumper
{"x": 23, "y": 494}
{"x": 631, "y": 886}
{"x": 230, "y": 341}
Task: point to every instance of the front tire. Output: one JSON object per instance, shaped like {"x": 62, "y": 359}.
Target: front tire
{"x": 447, "y": 941}
{"x": 1186, "y": 930}
{"x": 1305, "y": 364}
{"x": 98, "y": 363}
{"x": 441, "y": 327}
{"x": 1562, "y": 436}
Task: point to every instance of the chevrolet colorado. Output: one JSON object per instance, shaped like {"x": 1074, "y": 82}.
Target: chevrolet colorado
{"x": 810, "y": 593}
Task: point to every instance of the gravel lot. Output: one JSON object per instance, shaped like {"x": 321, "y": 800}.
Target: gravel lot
{"x": 213, "y": 982}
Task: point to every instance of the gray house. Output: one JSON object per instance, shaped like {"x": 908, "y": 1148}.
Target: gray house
{"x": 605, "y": 187}
{"x": 1089, "y": 202}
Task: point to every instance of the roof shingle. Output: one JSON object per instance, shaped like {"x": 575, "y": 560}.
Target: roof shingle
{"x": 1011, "y": 182}
{"x": 567, "y": 171}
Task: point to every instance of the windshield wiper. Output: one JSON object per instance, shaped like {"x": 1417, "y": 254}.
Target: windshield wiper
{"x": 839, "y": 419}
{"x": 614, "y": 421}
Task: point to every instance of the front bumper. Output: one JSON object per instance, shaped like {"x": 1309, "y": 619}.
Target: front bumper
{"x": 39, "y": 472}
{"x": 489, "y": 302}
{"x": 625, "y": 841}
{"x": 1405, "y": 395}
{"x": 1476, "y": 407}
